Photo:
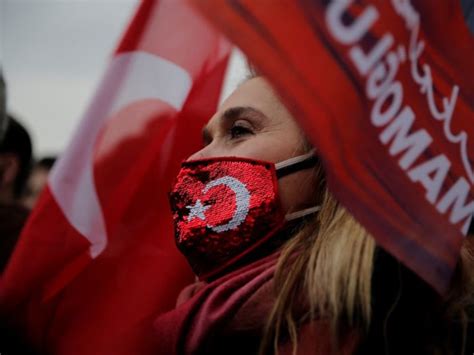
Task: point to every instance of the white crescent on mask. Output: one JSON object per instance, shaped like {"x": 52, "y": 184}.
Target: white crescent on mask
{"x": 242, "y": 201}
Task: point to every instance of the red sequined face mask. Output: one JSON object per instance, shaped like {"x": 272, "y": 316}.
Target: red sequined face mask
{"x": 225, "y": 207}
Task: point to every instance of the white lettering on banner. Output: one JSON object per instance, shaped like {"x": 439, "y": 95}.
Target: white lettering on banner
{"x": 353, "y": 33}
{"x": 456, "y": 199}
{"x": 364, "y": 62}
{"x": 425, "y": 80}
{"x": 437, "y": 166}
{"x": 393, "y": 60}
{"x": 380, "y": 65}
{"x": 413, "y": 143}
{"x": 394, "y": 95}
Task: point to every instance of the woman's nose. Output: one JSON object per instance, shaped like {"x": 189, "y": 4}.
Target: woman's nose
{"x": 205, "y": 152}
{"x": 209, "y": 151}
{"x": 196, "y": 156}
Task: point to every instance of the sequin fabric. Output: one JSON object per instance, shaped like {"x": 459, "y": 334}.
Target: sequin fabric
{"x": 222, "y": 209}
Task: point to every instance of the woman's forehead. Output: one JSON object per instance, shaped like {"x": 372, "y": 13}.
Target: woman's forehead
{"x": 257, "y": 94}
{"x": 256, "y": 91}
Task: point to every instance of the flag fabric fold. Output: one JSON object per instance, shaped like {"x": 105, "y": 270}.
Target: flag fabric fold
{"x": 96, "y": 262}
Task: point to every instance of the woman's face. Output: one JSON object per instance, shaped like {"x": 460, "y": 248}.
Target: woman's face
{"x": 253, "y": 123}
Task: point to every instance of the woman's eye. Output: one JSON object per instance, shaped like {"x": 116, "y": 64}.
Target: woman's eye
{"x": 238, "y": 131}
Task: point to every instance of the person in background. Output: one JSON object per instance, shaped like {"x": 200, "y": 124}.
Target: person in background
{"x": 15, "y": 157}
{"x": 15, "y": 164}
{"x": 37, "y": 181}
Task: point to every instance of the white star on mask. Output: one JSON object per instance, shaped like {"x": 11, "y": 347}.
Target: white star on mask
{"x": 197, "y": 211}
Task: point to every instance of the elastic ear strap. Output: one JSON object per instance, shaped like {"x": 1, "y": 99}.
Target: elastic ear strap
{"x": 294, "y": 160}
{"x": 300, "y": 162}
{"x": 302, "y": 213}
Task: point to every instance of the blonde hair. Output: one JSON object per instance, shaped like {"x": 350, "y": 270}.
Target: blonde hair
{"x": 330, "y": 262}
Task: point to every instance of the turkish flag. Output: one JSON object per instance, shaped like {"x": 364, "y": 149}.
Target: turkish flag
{"x": 96, "y": 262}
{"x": 385, "y": 91}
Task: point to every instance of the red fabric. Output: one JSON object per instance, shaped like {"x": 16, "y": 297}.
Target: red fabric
{"x": 223, "y": 208}
{"x": 70, "y": 300}
{"x": 201, "y": 324}
{"x": 392, "y": 123}
{"x": 229, "y": 315}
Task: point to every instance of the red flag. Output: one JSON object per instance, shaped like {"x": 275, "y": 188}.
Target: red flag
{"x": 385, "y": 89}
{"x": 97, "y": 261}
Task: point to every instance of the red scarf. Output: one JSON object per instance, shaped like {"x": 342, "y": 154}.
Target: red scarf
{"x": 229, "y": 314}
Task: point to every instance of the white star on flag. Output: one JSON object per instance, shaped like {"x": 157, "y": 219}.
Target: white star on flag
{"x": 197, "y": 211}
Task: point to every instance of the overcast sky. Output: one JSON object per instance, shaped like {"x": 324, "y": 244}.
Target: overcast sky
{"x": 53, "y": 53}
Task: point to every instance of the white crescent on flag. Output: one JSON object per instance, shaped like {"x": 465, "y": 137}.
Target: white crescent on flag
{"x": 242, "y": 201}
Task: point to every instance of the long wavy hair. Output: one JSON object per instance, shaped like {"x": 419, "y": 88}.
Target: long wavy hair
{"x": 331, "y": 265}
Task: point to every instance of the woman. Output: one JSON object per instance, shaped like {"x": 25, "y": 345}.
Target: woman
{"x": 315, "y": 282}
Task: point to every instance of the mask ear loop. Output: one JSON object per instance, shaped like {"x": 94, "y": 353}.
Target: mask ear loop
{"x": 302, "y": 213}
{"x": 301, "y": 162}
{"x": 295, "y": 160}
{"x": 294, "y": 164}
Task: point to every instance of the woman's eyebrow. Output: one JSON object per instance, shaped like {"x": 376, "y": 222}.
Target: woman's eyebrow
{"x": 234, "y": 113}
